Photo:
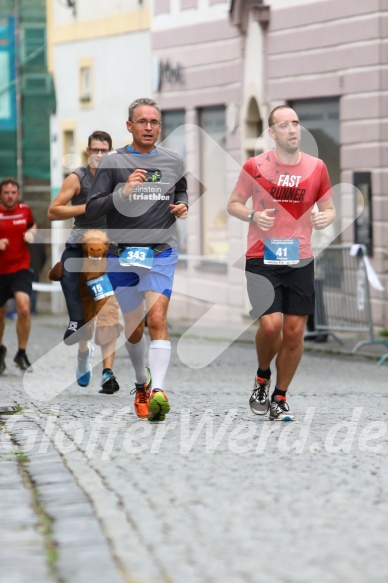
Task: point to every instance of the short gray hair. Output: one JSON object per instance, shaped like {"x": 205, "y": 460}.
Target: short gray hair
{"x": 142, "y": 101}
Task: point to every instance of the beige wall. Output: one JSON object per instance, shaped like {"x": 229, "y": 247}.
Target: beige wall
{"x": 332, "y": 48}
{"x": 208, "y": 51}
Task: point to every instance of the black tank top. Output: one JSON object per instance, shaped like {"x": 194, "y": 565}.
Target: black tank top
{"x": 80, "y": 223}
{"x": 86, "y": 179}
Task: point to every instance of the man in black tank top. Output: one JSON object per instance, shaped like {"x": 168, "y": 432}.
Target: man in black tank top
{"x": 74, "y": 190}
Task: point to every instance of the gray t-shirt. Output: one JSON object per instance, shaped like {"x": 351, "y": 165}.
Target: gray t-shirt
{"x": 146, "y": 218}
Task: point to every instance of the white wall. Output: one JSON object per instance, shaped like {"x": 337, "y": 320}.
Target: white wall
{"x": 121, "y": 73}
{"x": 114, "y": 37}
{"x": 205, "y": 12}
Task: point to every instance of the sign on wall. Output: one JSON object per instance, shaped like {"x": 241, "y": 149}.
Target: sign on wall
{"x": 7, "y": 74}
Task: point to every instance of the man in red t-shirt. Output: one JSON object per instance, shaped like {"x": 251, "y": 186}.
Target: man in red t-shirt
{"x": 284, "y": 185}
{"x": 17, "y": 229}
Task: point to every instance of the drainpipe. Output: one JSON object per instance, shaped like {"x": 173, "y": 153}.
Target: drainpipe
{"x": 19, "y": 130}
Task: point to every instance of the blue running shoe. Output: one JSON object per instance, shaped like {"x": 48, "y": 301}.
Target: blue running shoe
{"x": 109, "y": 384}
{"x": 84, "y": 367}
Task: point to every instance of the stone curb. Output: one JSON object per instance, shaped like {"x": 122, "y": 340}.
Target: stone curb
{"x": 83, "y": 553}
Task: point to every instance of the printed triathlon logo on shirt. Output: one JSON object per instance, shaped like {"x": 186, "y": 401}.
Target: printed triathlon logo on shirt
{"x": 154, "y": 194}
{"x": 20, "y": 222}
{"x": 287, "y": 189}
{"x": 153, "y": 188}
{"x": 153, "y": 176}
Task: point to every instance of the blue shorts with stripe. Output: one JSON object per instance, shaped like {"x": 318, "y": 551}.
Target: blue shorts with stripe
{"x": 130, "y": 283}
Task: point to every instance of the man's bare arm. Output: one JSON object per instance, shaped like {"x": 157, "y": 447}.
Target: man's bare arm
{"x": 59, "y": 208}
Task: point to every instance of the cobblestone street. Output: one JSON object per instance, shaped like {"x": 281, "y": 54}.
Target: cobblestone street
{"x": 214, "y": 495}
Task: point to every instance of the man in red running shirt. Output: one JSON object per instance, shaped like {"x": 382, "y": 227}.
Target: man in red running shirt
{"x": 17, "y": 229}
{"x": 284, "y": 185}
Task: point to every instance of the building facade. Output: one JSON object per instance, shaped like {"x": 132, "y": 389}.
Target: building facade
{"x": 327, "y": 60}
{"x": 99, "y": 56}
{"x": 197, "y": 81}
{"x": 26, "y": 101}
{"x": 217, "y": 68}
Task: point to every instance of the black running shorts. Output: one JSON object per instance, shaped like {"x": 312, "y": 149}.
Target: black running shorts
{"x": 288, "y": 289}
{"x": 14, "y": 282}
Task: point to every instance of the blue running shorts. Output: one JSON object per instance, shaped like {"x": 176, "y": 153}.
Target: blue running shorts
{"x": 130, "y": 283}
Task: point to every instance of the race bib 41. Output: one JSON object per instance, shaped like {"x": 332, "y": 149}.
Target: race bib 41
{"x": 281, "y": 251}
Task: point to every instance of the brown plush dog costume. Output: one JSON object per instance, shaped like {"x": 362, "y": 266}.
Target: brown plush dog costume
{"x": 96, "y": 292}
{"x": 98, "y": 300}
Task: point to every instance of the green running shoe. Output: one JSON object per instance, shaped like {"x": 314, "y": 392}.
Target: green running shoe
{"x": 158, "y": 407}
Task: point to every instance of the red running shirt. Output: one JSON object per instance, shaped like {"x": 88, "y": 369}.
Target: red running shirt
{"x": 292, "y": 190}
{"x": 13, "y": 225}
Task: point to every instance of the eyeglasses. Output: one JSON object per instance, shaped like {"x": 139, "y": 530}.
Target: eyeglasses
{"x": 97, "y": 150}
{"x": 143, "y": 123}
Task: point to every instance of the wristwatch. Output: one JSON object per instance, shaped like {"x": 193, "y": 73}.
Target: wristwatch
{"x": 251, "y": 215}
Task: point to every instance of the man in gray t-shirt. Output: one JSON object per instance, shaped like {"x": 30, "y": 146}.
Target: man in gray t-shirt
{"x": 142, "y": 190}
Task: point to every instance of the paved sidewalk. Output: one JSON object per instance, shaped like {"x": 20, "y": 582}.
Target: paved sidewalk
{"x": 338, "y": 343}
{"x": 214, "y": 495}
{"x": 22, "y": 541}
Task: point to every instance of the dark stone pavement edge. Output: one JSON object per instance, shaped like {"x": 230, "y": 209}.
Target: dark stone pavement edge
{"x": 82, "y": 551}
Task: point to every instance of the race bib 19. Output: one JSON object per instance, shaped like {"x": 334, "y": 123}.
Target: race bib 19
{"x": 281, "y": 251}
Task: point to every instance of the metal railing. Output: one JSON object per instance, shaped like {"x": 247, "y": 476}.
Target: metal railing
{"x": 342, "y": 302}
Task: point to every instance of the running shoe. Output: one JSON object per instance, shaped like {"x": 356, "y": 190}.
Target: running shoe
{"x": 3, "y": 352}
{"x": 22, "y": 362}
{"x": 84, "y": 367}
{"x": 143, "y": 392}
{"x": 158, "y": 407}
{"x": 109, "y": 384}
{"x": 259, "y": 400}
{"x": 279, "y": 410}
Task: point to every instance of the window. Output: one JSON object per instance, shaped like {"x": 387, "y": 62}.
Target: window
{"x": 253, "y": 130}
{"x": 7, "y": 73}
{"x": 321, "y": 118}
{"x": 86, "y": 82}
{"x": 173, "y": 137}
{"x": 68, "y": 142}
{"x": 68, "y": 151}
{"x": 5, "y": 81}
{"x": 363, "y": 232}
{"x": 33, "y": 46}
{"x": 37, "y": 84}
{"x": 213, "y": 170}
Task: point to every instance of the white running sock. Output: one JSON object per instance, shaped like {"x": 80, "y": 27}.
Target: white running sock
{"x": 136, "y": 353}
{"x": 159, "y": 358}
